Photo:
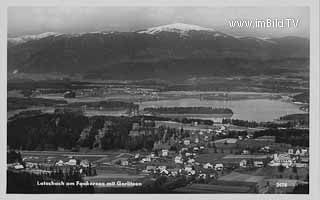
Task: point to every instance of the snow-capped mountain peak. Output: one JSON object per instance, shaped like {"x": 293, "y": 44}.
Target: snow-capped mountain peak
{"x": 176, "y": 27}
{"x": 25, "y": 38}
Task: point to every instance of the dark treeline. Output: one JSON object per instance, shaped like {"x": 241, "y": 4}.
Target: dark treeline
{"x": 181, "y": 120}
{"x": 50, "y": 131}
{"x": 188, "y": 110}
{"x": 116, "y": 132}
{"x": 295, "y": 137}
{"x": 106, "y": 105}
{"x": 254, "y": 124}
{"x": 301, "y": 118}
{"x": 14, "y": 103}
{"x": 47, "y": 131}
{"x": 302, "y": 97}
{"x": 65, "y": 84}
{"x": 13, "y": 156}
{"x": 28, "y": 86}
{"x": 26, "y": 113}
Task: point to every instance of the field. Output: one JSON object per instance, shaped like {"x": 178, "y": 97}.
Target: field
{"x": 272, "y": 172}
{"x": 210, "y": 157}
{"x": 206, "y": 188}
{"x": 234, "y": 176}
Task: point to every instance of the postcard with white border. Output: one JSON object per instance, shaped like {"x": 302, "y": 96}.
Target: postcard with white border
{"x": 207, "y": 100}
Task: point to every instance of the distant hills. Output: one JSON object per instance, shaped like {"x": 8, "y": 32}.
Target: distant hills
{"x": 175, "y": 51}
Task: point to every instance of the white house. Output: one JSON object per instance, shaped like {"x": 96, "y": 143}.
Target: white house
{"x": 188, "y": 168}
{"x": 192, "y": 172}
{"x": 164, "y": 172}
{"x": 304, "y": 152}
{"x": 195, "y": 149}
{"x": 243, "y": 163}
{"x": 186, "y": 142}
{"x": 245, "y": 152}
{"x": 60, "y": 163}
{"x": 207, "y": 166}
{"x": 202, "y": 176}
{"x": 188, "y": 154}
{"x": 72, "y": 162}
{"x": 281, "y": 159}
{"x": 290, "y": 151}
{"x": 258, "y": 164}
{"x": 174, "y": 172}
{"x": 18, "y": 166}
{"x": 249, "y": 135}
{"x": 190, "y": 161}
{"x": 30, "y": 165}
{"x": 218, "y": 167}
{"x": 84, "y": 163}
{"x": 298, "y": 152}
{"x": 162, "y": 167}
{"x": 124, "y": 162}
{"x": 178, "y": 160}
{"x": 164, "y": 152}
{"x": 146, "y": 159}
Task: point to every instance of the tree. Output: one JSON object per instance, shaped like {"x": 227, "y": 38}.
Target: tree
{"x": 281, "y": 168}
{"x": 294, "y": 169}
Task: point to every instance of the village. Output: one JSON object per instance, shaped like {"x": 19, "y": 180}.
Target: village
{"x": 222, "y": 159}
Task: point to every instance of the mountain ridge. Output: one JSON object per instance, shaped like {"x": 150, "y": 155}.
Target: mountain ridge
{"x": 154, "y": 52}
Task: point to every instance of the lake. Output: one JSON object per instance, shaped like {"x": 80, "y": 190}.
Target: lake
{"x": 246, "y": 109}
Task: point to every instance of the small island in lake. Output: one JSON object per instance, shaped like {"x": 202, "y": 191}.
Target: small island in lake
{"x": 188, "y": 110}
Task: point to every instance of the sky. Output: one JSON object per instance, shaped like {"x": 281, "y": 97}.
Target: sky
{"x": 35, "y": 20}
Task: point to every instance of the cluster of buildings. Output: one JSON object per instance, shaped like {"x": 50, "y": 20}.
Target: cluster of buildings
{"x": 244, "y": 151}
{"x": 47, "y": 166}
{"x": 177, "y": 152}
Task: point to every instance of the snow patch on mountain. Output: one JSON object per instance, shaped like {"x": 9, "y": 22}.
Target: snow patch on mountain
{"x": 26, "y": 38}
{"x": 176, "y": 27}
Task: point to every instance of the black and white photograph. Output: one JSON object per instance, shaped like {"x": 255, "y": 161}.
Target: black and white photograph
{"x": 158, "y": 99}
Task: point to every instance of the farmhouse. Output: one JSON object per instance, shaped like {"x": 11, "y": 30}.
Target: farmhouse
{"x": 243, "y": 163}
{"x": 186, "y": 142}
{"x": 207, "y": 166}
{"x": 60, "y": 163}
{"x": 72, "y": 162}
{"x": 218, "y": 167}
{"x": 281, "y": 159}
{"x": 165, "y": 152}
{"x": 84, "y": 163}
{"x": 178, "y": 160}
{"x": 258, "y": 164}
